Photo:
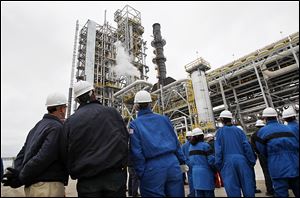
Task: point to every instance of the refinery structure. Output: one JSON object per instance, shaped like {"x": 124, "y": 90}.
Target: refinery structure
{"x": 268, "y": 77}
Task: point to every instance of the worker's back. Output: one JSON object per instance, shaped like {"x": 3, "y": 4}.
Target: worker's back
{"x": 97, "y": 140}
{"x": 156, "y": 134}
{"x": 235, "y": 159}
{"x": 282, "y": 151}
{"x": 156, "y": 155}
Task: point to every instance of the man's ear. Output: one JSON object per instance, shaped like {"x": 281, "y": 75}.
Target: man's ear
{"x": 136, "y": 107}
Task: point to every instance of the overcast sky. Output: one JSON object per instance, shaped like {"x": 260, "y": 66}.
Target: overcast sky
{"x": 37, "y": 44}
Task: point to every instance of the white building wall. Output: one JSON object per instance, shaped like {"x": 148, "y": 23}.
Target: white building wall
{"x": 90, "y": 52}
{"x": 202, "y": 99}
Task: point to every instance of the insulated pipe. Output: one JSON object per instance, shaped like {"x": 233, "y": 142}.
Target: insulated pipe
{"x": 170, "y": 85}
{"x": 294, "y": 53}
{"x": 273, "y": 74}
{"x": 185, "y": 121}
{"x": 137, "y": 82}
{"x": 273, "y": 58}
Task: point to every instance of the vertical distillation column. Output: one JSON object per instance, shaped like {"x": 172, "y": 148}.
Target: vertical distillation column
{"x": 72, "y": 71}
{"x": 90, "y": 52}
{"x": 204, "y": 108}
{"x": 158, "y": 43}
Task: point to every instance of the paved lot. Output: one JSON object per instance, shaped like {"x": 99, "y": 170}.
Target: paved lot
{"x": 71, "y": 188}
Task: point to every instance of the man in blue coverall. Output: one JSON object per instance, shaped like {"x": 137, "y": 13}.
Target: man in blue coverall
{"x": 185, "y": 148}
{"x": 234, "y": 158}
{"x": 156, "y": 153}
{"x": 280, "y": 146}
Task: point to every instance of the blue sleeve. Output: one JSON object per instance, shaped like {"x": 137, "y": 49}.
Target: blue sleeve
{"x": 185, "y": 148}
{"x": 180, "y": 156}
{"x": 261, "y": 147}
{"x": 136, "y": 151}
{"x": 210, "y": 157}
{"x": 218, "y": 151}
{"x": 247, "y": 148}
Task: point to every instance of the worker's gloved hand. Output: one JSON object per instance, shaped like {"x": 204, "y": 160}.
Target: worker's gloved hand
{"x": 184, "y": 168}
{"x": 11, "y": 178}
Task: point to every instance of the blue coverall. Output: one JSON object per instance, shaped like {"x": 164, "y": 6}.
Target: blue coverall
{"x": 202, "y": 172}
{"x": 156, "y": 155}
{"x": 185, "y": 148}
{"x": 282, "y": 154}
{"x": 294, "y": 125}
{"x": 235, "y": 159}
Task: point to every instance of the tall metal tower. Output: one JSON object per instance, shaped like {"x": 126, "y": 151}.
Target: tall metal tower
{"x": 158, "y": 43}
{"x": 197, "y": 70}
{"x": 72, "y": 71}
{"x": 97, "y": 52}
{"x": 130, "y": 31}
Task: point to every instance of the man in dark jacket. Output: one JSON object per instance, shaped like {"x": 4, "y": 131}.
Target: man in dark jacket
{"x": 96, "y": 146}
{"x": 39, "y": 165}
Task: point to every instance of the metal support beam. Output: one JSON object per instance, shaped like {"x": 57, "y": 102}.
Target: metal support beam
{"x": 294, "y": 53}
{"x": 72, "y": 71}
{"x": 223, "y": 95}
{"x": 238, "y": 107}
{"x": 260, "y": 85}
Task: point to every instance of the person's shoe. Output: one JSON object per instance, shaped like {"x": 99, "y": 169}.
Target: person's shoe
{"x": 271, "y": 194}
{"x": 257, "y": 191}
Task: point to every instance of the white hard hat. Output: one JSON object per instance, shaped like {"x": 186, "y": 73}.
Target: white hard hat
{"x": 197, "y": 131}
{"x": 259, "y": 123}
{"x": 142, "y": 97}
{"x": 188, "y": 134}
{"x": 81, "y": 87}
{"x": 55, "y": 99}
{"x": 269, "y": 112}
{"x": 289, "y": 112}
{"x": 240, "y": 127}
{"x": 226, "y": 114}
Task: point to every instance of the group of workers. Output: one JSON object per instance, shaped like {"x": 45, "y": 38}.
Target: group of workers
{"x": 275, "y": 144}
{"x": 95, "y": 147}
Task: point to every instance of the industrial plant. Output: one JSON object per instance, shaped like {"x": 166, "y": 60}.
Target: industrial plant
{"x": 113, "y": 59}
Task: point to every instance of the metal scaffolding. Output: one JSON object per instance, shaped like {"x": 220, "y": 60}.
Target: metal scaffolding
{"x": 266, "y": 77}
{"x": 130, "y": 31}
{"x": 97, "y": 52}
